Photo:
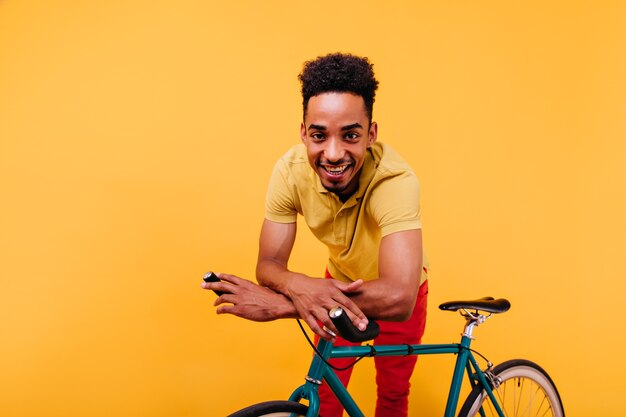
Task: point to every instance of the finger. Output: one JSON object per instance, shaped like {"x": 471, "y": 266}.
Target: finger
{"x": 227, "y": 309}
{"x": 235, "y": 280}
{"x": 327, "y": 324}
{"x": 350, "y": 305}
{"x": 225, "y": 298}
{"x": 318, "y": 330}
{"x": 357, "y": 321}
{"x": 219, "y": 286}
{"x": 330, "y": 328}
{"x": 355, "y": 314}
{"x": 349, "y": 287}
{"x": 228, "y": 277}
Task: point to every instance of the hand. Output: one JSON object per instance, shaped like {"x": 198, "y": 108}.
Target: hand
{"x": 248, "y": 300}
{"x": 314, "y": 298}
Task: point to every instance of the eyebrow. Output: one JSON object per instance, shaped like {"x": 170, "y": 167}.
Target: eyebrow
{"x": 344, "y": 128}
{"x": 352, "y": 126}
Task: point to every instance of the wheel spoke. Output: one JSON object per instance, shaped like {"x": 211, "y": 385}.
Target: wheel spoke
{"x": 525, "y": 391}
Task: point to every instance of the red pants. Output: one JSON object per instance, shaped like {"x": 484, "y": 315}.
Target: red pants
{"x": 392, "y": 372}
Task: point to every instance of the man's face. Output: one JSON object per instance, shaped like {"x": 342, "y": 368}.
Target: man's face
{"x": 336, "y": 132}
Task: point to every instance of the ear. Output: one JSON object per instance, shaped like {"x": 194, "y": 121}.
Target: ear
{"x": 302, "y": 132}
{"x": 372, "y": 134}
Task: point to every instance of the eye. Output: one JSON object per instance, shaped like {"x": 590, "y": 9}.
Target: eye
{"x": 318, "y": 136}
{"x": 351, "y": 136}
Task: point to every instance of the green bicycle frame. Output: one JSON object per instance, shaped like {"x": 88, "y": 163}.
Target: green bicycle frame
{"x": 320, "y": 371}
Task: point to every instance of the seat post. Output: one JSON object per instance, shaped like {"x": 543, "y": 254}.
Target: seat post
{"x": 472, "y": 320}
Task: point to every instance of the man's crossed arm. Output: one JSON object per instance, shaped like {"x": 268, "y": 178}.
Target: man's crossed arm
{"x": 287, "y": 294}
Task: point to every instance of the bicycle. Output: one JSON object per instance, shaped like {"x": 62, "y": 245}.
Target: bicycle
{"x": 516, "y": 387}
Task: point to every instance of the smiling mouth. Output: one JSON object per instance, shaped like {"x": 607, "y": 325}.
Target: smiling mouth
{"x": 335, "y": 170}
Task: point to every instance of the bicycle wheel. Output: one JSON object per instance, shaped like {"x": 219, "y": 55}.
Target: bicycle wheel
{"x": 526, "y": 390}
{"x": 273, "y": 409}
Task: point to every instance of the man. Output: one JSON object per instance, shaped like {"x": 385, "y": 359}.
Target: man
{"x": 360, "y": 199}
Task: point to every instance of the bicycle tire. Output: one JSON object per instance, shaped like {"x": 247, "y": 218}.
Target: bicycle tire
{"x": 526, "y": 389}
{"x": 273, "y": 409}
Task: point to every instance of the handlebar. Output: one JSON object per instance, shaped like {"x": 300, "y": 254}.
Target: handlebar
{"x": 349, "y": 331}
{"x": 211, "y": 277}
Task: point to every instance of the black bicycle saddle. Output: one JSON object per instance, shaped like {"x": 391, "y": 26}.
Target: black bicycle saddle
{"x": 488, "y": 304}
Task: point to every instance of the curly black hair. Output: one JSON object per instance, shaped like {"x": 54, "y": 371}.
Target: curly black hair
{"x": 339, "y": 72}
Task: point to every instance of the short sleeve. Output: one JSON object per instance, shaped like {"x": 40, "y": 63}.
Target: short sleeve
{"x": 280, "y": 204}
{"x": 395, "y": 203}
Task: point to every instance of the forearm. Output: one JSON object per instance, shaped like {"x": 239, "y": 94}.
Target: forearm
{"x": 384, "y": 300}
{"x": 283, "y": 308}
{"x": 275, "y": 246}
{"x": 275, "y": 275}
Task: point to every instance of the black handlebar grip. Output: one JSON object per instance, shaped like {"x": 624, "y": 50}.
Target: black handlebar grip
{"x": 211, "y": 277}
{"x": 349, "y": 331}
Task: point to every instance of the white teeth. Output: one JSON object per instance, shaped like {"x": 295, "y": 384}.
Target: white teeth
{"x": 336, "y": 170}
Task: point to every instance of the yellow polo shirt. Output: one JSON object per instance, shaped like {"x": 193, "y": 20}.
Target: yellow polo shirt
{"x": 387, "y": 201}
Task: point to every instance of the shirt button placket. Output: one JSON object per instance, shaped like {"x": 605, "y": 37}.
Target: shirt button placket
{"x": 340, "y": 227}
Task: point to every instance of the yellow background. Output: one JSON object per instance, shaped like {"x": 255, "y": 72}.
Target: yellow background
{"x": 137, "y": 137}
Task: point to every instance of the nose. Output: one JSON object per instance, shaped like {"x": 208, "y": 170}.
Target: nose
{"x": 334, "y": 151}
